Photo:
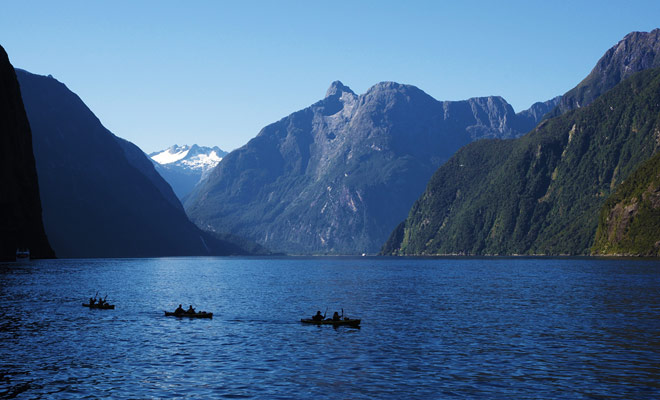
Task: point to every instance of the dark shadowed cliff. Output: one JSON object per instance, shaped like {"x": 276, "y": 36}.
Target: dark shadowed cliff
{"x": 20, "y": 206}
{"x": 101, "y": 196}
{"x": 336, "y": 177}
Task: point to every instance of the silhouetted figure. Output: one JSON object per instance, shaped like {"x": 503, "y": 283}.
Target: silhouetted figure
{"x": 335, "y": 316}
{"x": 92, "y": 301}
{"x": 101, "y": 302}
{"x": 179, "y": 310}
{"x": 318, "y": 316}
{"x": 190, "y": 310}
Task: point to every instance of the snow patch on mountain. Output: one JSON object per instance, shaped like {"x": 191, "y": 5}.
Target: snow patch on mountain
{"x": 202, "y": 161}
{"x": 173, "y": 154}
{"x": 190, "y": 157}
{"x": 183, "y": 167}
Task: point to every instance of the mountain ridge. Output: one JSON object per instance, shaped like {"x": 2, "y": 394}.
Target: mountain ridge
{"x": 314, "y": 182}
{"x": 636, "y": 52}
{"x": 539, "y": 194}
{"x": 97, "y": 199}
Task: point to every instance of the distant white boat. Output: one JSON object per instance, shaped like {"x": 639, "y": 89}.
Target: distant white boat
{"x": 22, "y": 254}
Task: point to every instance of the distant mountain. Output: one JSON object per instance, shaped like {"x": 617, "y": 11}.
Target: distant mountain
{"x": 541, "y": 193}
{"x": 636, "y": 52}
{"x": 629, "y": 222}
{"x": 101, "y": 196}
{"x": 21, "y": 224}
{"x": 336, "y": 177}
{"x": 183, "y": 167}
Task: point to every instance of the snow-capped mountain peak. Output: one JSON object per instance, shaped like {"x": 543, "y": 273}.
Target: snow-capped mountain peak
{"x": 185, "y": 166}
{"x": 170, "y": 155}
{"x": 191, "y": 157}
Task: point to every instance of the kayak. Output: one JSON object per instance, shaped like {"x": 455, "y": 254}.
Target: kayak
{"x": 98, "y": 307}
{"x": 341, "y": 322}
{"x": 201, "y": 314}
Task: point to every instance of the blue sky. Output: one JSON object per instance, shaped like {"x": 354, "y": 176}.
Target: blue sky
{"x": 215, "y": 73}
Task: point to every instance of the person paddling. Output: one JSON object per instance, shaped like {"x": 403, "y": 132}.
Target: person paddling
{"x": 318, "y": 316}
{"x": 190, "y": 310}
{"x": 179, "y": 310}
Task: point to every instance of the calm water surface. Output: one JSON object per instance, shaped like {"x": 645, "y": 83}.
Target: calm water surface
{"x": 431, "y": 328}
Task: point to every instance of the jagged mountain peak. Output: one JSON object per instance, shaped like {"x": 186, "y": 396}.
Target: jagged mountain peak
{"x": 491, "y": 103}
{"x": 185, "y": 166}
{"x": 337, "y": 89}
{"x": 337, "y": 176}
{"x": 176, "y": 153}
{"x": 636, "y": 52}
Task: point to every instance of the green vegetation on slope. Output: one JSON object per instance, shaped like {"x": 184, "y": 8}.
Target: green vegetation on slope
{"x": 629, "y": 221}
{"x": 539, "y": 194}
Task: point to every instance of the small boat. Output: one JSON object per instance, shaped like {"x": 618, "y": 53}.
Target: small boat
{"x": 201, "y": 314}
{"x": 329, "y": 321}
{"x": 100, "y": 307}
{"x": 23, "y": 254}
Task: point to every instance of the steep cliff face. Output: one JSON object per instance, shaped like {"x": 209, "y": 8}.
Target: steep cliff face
{"x": 541, "y": 193}
{"x": 629, "y": 222}
{"x": 336, "y": 177}
{"x": 636, "y": 52}
{"x": 21, "y": 223}
{"x": 101, "y": 196}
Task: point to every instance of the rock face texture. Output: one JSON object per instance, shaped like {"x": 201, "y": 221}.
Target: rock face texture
{"x": 336, "y": 177}
{"x": 629, "y": 222}
{"x": 541, "y": 193}
{"x": 636, "y": 52}
{"x": 21, "y": 223}
{"x": 101, "y": 196}
{"x": 184, "y": 167}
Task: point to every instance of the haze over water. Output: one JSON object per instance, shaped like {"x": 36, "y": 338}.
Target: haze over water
{"x": 431, "y": 328}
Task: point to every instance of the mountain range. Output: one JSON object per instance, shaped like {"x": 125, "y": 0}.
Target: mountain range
{"x": 21, "y": 224}
{"x": 543, "y": 193}
{"x": 574, "y": 175}
{"x": 183, "y": 167}
{"x": 336, "y": 177}
{"x": 101, "y": 195}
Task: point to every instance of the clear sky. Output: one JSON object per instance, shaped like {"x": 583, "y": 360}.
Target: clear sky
{"x": 214, "y": 73}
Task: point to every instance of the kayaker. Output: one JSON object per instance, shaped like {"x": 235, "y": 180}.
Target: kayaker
{"x": 179, "y": 310}
{"x": 190, "y": 310}
{"x": 335, "y": 316}
{"x": 92, "y": 301}
{"x": 318, "y": 316}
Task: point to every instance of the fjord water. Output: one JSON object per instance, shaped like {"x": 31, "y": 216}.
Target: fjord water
{"x": 431, "y": 328}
